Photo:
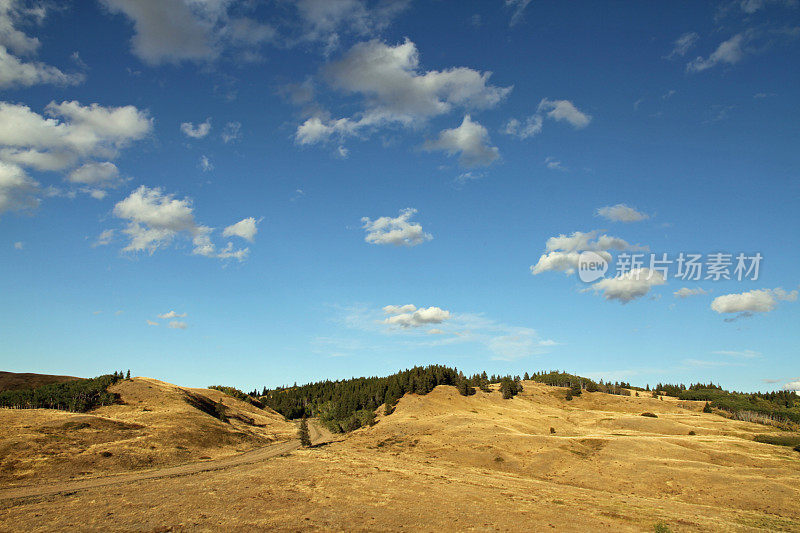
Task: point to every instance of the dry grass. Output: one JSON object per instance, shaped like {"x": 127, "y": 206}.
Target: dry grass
{"x": 444, "y": 461}
{"x": 155, "y": 426}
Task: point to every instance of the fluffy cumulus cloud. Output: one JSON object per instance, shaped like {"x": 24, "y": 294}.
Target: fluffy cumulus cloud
{"x": 155, "y": 219}
{"x": 563, "y": 252}
{"x": 755, "y": 301}
{"x": 559, "y": 110}
{"x": 395, "y": 90}
{"x": 630, "y": 285}
{"x": 399, "y": 231}
{"x": 68, "y": 136}
{"x": 621, "y": 213}
{"x": 728, "y": 52}
{"x": 196, "y": 132}
{"x": 408, "y": 316}
{"x": 470, "y": 141}
{"x": 172, "y": 31}
{"x": 686, "y": 292}
{"x": 246, "y": 229}
{"x": 15, "y": 44}
{"x": 18, "y": 191}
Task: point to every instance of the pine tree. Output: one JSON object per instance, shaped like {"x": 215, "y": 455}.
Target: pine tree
{"x": 305, "y": 439}
{"x": 707, "y": 408}
{"x": 128, "y": 375}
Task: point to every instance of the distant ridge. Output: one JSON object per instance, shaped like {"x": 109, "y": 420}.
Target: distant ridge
{"x": 17, "y": 381}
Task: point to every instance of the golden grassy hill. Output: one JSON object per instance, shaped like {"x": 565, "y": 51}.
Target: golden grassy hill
{"x": 444, "y": 461}
{"x": 156, "y": 424}
{"x": 17, "y": 381}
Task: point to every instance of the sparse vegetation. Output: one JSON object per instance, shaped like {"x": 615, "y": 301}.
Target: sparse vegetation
{"x": 650, "y": 415}
{"x": 661, "y": 527}
{"x": 79, "y": 395}
{"x": 779, "y": 440}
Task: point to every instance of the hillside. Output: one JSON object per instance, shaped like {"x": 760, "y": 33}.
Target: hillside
{"x": 443, "y": 460}
{"x": 17, "y": 381}
{"x": 155, "y": 424}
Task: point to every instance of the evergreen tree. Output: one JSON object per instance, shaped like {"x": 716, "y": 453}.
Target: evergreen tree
{"x": 707, "y": 408}
{"x": 128, "y": 375}
{"x": 305, "y": 438}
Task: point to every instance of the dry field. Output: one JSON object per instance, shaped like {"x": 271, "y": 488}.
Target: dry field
{"x": 441, "y": 461}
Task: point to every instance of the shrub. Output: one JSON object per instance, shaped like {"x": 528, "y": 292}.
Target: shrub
{"x": 650, "y": 415}
{"x": 552, "y": 431}
{"x": 797, "y": 448}
{"x": 707, "y": 408}
{"x": 568, "y": 397}
{"x": 661, "y": 527}
{"x": 692, "y": 432}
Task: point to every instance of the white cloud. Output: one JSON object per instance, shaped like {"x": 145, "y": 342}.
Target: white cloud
{"x": 397, "y": 231}
{"x": 14, "y": 72}
{"x": 396, "y": 91}
{"x": 755, "y": 301}
{"x": 530, "y": 127}
{"x": 151, "y": 323}
{"x": 729, "y": 52}
{"x": 19, "y": 245}
{"x": 232, "y": 132}
{"x": 177, "y": 324}
{"x": 205, "y": 164}
{"x": 105, "y": 238}
{"x": 630, "y": 285}
{"x": 554, "y": 164}
{"x": 470, "y": 140}
{"x": 30, "y": 139}
{"x": 72, "y": 134}
{"x": 407, "y": 316}
{"x": 564, "y": 110}
{"x": 621, "y": 213}
{"x": 686, "y": 292}
{"x": 562, "y": 252}
{"x": 683, "y": 44}
{"x": 246, "y": 229}
{"x": 155, "y": 219}
{"x": 196, "y": 132}
{"x": 99, "y": 175}
{"x": 172, "y": 31}
{"x": 171, "y": 314}
{"x": 559, "y": 261}
{"x": 519, "y": 8}
{"x": 560, "y": 110}
{"x": 18, "y": 192}
{"x": 325, "y": 20}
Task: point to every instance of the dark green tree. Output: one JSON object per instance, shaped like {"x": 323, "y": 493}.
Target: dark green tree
{"x": 305, "y": 438}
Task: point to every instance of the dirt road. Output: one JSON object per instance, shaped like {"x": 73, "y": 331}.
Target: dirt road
{"x": 253, "y": 456}
{"x": 319, "y": 435}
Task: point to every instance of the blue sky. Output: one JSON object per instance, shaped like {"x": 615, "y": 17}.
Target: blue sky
{"x": 257, "y": 193}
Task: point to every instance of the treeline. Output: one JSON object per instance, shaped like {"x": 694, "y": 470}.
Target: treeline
{"x": 779, "y": 406}
{"x": 577, "y": 383}
{"x": 79, "y": 395}
{"x": 345, "y": 405}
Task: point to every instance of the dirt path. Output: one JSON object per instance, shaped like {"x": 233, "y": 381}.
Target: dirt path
{"x": 252, "y": 456}
{"x": 317, "y": 432}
